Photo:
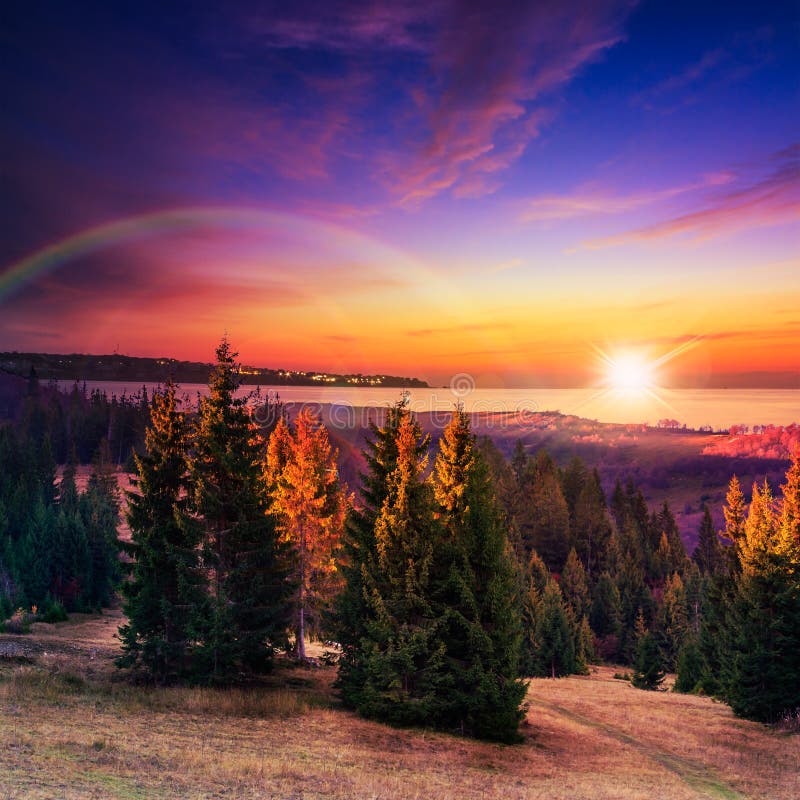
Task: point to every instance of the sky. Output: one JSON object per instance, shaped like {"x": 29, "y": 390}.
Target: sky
{"x": 503, "y": 189}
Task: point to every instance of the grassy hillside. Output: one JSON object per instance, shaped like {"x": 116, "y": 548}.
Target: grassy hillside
{"x": 71, "y": 727}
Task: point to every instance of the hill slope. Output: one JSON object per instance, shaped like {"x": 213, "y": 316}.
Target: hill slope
{"x": 71, "y": 727}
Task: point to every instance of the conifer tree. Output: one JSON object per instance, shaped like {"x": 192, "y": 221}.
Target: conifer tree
{"x": 789, "y": 531}
{"x": 554, "y": 635}
{"x": 735, "y": 516}
{"x": 403, "y": 650}
{"x": 708, "y": 554}
{"x": 165, "y": 592}
{"x": 310, "y": 506}
{"x": 545, "y": 523}
{"x": 649, "y": 671}
{"x": 763, "y": 636}
{"x": 248, "y": 564}
{"x": 358, "y": 558}
{"x": 99, "y": 509}
{"x": 605, "y": 615}
{"x": 574, "y": 586}
{"x": 760, "y": 528}
{"x": 478, "y": 599}
{"x": 690, "y": 667}
{"x": 673, "y": 621}
{"x": 592, "y": 528}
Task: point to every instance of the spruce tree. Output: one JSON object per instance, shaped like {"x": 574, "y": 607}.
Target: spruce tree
{"x": 763, "y": 659}
{"x": 404, "y": 653}
{"x": 672, "y": 626}
{"x": 789, "y": 529}
{"x": 649, "y": 670}
{"x": 554, "y": 635}
{"x": 248, "y": 564}
{"x": 165, "y": 592}
{"x": 476, "y": 595}
{"x": 708, "y": 554}
{"x": 358, "y": 558}
{"x": 690, "y": 667}
{"x": 574, "y": 586}
{"x": 592, "y": 528}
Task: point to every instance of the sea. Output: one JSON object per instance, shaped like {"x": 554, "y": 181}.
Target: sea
{"x": 715, "y": 409}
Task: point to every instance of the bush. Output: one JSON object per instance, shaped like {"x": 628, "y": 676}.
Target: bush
{"x": 19, "y": 622}
{"x": 53, "y": 611}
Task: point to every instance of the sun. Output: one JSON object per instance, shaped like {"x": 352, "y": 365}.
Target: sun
{"x": 629, "y": 373}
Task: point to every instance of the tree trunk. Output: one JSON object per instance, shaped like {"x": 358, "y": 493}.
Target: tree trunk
{"x": 301, "y": 636}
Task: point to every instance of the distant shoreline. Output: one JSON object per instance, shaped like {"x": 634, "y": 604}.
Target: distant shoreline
{"x": 133, "y": 369}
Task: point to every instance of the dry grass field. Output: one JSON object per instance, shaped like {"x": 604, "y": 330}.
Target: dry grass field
{"x": 70, "y": 727}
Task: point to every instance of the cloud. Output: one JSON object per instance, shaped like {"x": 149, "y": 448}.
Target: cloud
{"x": 730, "y": 63}
{"x": 494, "y": 69}
{"x": 504, "y": 266}
{"x": 769, "y": 198}
{"x": 468, "y": 328}
{"x": 593, "y": 200}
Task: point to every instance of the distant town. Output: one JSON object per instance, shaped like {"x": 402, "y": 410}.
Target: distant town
{"x": 116, "y": 367}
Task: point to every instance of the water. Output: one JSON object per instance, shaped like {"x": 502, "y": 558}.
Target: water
{"x": 717, "y": 408}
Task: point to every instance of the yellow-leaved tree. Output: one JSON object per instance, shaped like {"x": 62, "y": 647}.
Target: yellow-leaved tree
{"x": 311, "y": 505}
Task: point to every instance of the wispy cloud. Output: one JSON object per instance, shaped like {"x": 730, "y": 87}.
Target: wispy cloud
{"x": 771, "y": 197}
{"x": 468, "y": 328}
{"x": 494, "y": 69}
{"x": 591, "y": 200}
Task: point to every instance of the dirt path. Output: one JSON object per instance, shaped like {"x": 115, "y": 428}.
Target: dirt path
{"x": 698, "y": 776}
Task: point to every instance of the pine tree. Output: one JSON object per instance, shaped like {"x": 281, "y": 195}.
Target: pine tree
{"x": 310, "y": 506}
{"x": 789, "y": 530}
{"x": 708, "y": 554}
{"x": 605, "y": 616}
{"x": 554, "y": 635}
{"x": 544, "y": 524}
{"x": 690, "y": 667}
{"x": 357, "y": 561}
{"x": 649, "y": 671}
{"x": 673, "y": 621}
{"x": 735, "y": 516}
{"x": 760, "y": 528}
{"x": 99, "y": 510}
{"x": 476, "y": 595}
{"x": 763, "y": 633}
{"x": 592, "y": 528}
{"x": 574, "y": 585}
{"x": 165, "y": 592}
{"x": 247, "y": 563}
{"x": 403, "y": 649}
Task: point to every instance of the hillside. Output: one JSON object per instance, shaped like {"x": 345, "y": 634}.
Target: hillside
{"x": 71, "y": 727}
{"x": 117, "y": 367}
{"x": 684, "y": 467}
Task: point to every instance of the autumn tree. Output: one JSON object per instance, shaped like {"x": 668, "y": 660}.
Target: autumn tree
{"x": 789, "y": 529}
{"x": 310, "y": 506}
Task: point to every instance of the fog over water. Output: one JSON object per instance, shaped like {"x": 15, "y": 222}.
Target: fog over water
{"x": 718, "y": 408}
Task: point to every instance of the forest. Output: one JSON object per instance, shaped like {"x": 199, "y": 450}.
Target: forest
{"x": 440, "y": 583}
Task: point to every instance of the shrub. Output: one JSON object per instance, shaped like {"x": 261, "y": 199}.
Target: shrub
{"x": 52, "y": 611}
{"x": 19, "y": 622}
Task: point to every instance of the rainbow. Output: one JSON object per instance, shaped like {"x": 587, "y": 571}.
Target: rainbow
{"x": 158, "y": 223}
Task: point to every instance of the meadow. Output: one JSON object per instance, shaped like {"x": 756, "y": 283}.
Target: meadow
{"x": 72, "y": 726}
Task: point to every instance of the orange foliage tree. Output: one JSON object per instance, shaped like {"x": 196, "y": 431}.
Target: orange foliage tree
{"x": 310, "y": 505}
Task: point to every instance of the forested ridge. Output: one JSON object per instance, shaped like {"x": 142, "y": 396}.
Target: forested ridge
{"x": 450, "y": 575}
